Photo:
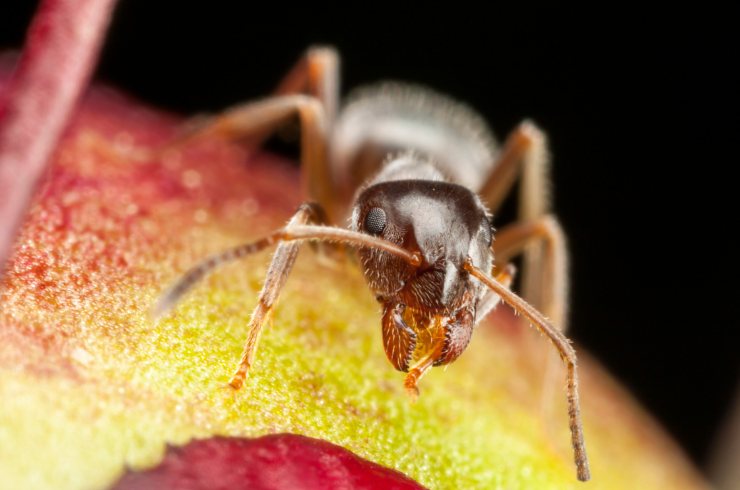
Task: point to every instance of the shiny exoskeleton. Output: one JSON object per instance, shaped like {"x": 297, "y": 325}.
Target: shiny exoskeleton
{"x": 429, "y": 310}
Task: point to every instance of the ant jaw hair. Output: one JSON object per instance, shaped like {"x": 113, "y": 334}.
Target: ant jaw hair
{"x": 189, "y": 279}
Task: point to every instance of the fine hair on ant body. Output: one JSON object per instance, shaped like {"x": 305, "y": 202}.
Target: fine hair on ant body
{"x": 414, "y": 168}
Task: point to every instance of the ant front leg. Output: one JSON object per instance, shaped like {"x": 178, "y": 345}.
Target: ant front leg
{"x": 277, "y": 275}
{"x": 310, "y": 91}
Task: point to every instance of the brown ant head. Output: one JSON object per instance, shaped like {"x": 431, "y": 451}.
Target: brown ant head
{"x": 446, "y": 223}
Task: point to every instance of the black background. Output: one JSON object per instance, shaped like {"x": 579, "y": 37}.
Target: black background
{"x": 641, "y": 112}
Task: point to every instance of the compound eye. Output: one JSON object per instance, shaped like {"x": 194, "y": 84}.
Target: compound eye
{"x": 375, "y": 220}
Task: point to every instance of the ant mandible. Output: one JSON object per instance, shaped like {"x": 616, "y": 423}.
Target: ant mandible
{"x": 417, "y": 168}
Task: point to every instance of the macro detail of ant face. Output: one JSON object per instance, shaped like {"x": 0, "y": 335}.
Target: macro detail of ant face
{"x": 422, "y": 234}
{"x": 432, "y": 306}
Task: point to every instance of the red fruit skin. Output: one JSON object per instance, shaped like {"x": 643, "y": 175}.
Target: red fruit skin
{"x": 274, "y": 462}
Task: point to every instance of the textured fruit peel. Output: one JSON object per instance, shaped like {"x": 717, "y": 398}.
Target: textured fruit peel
{"x": 91, "y": 385}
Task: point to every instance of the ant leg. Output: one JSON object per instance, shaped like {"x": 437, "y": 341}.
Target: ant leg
{"x": 515, "y": 239}
{"x": 264, "y": 116}
{"x": 316, "y": 74}
{"x": 525, "y": 154}
{"x": 277, "y": 275}
{"x": 310, "y": 90}
{"x": 523, "y": 149}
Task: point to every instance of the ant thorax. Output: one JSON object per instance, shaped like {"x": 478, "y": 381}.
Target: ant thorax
{"x": 391, "y": 118}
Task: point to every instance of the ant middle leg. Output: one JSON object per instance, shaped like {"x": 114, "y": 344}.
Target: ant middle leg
{"x": 545, "y": 231}
{"x": 544, "y": 271}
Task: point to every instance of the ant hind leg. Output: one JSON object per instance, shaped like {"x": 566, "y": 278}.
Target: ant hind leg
{"x": 310, "y": 91}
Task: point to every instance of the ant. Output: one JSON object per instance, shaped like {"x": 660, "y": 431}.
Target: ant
{"x": 417, "y": 168}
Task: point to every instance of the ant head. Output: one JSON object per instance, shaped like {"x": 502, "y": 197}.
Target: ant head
{"x": 410, "y": 205}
